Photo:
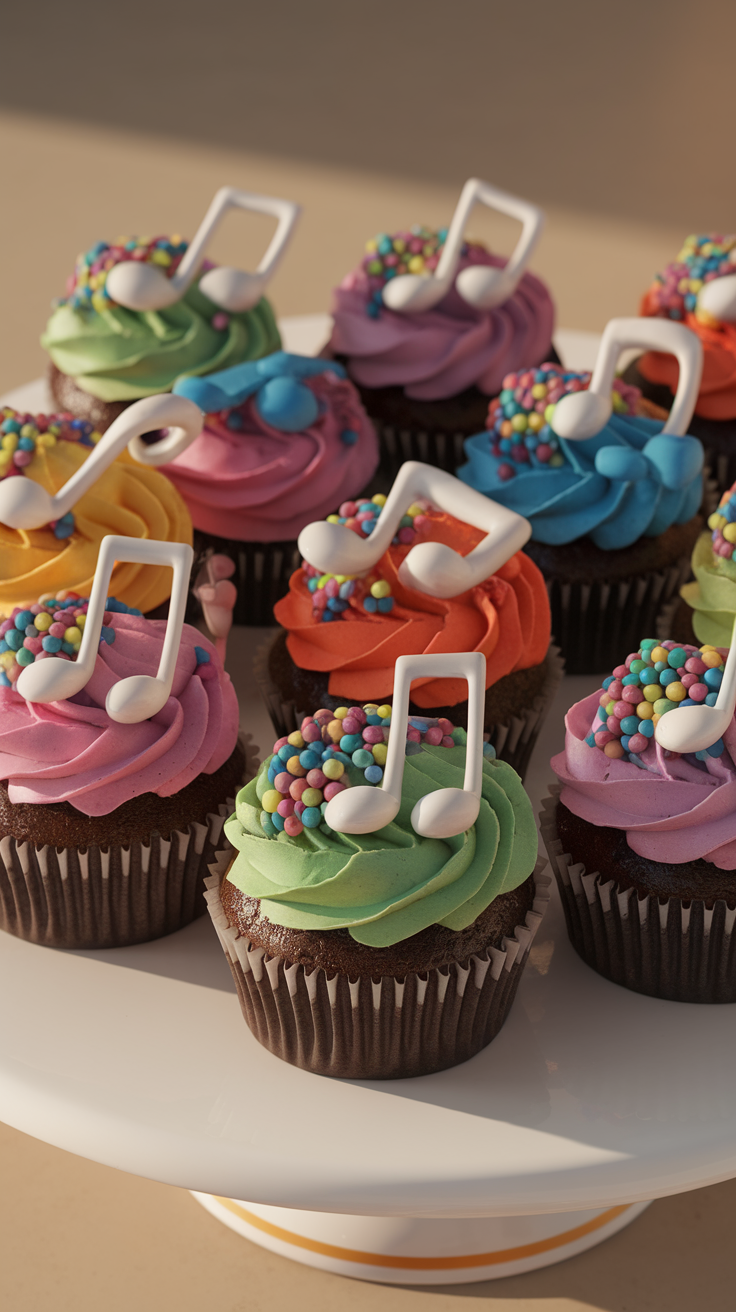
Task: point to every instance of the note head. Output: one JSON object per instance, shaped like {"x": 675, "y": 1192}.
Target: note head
{"x": 136, "y": 698}
{"x": 718, "y": 298}
{"x": 232, "y": 289}
{"x": 411, "y": 293}
{"x": 140, "y": 286}
{"x": 692, "y": 728}
{"x": 334, "y": 549}
{"x": 25, "y": 504}
{"x": 484, "y": 287}
{"x": 444, "y": 813}
{"x": 361, "y": 810}
{"x": 436, "y": 570}
{"x": 51, "y": 680}
{"x": 580, "y": 415}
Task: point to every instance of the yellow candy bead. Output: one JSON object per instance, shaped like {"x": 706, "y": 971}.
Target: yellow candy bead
{"x": 341, "y": 712}
{"x": 539, "y": 391}
{"x": 711, "y": 659}
{"x": 652, "y": 692}
{"x": 399, "y": 245}
{"x": 656, "y": 719}
{"x": 380, "y": 752}
{"x": 371, "y": 246}
{"x": 378, "y": 499}
{"x": 295, "y": 739}
{"x": 381, "y": 589}
{"x": 7, "y": 658}
{"x": 645, "y": 710}
{"x": 333, "y": 519}
{"x": 312, "y": 796}
{"x": 295, "y": 767}
{"x": 29, "y": 430}
{"x": 618, "y": 402}
{"x": 416, "y": 264}
{"x": 518, "y": 423}
{"x": 46, "y": 440}
{"x": 81, "y": 620}
{"x": 384, "y": 712}
{"x": 270, "y": 800}
{"x": 44, "y": 621}
{"x": 414, "y": 510}
{"x": 613, "y": 749}
{"x": 5, "y": 459}
{"x": 716, "y": 521}
{"x": 10, "y": 442}
{"x": 73, "y": 635}
{"x": 729, "y": 532}
{"x": 370, "y": 708}
{"x": 676, "y": 691}
{"x": 535, "y": 421}
{"x": 334, "y": 729}
{"x": 333, "y": 769}
{"x": 162, "y": 258}
{"x": 549, "y": 414}
{"x": 95, "y": 437}
{"x": 659, "y": 654}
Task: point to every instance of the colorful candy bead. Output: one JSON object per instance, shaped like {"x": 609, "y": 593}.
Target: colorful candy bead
{"x": 25, "y": 437}
{"x": 416, "y": 251}
{"x": 703, "y": 257}
{"x": 35, "y": 633}
{"x": 86, "y": 288}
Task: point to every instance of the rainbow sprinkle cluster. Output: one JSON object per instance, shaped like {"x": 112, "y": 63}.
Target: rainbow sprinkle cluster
{"x": 23, "y": 436}
{"x": 309, "y": 767}
{"x": 415, "y": 251}
{"x": 520, "y": 419}
{"x": 333, "y": 594}
{"x": 723, "y": 525}
{"x": 702, "y": 258}
{"x": 51, "y": 627}
{"x": 86, "y": 288}
{"x": 659, "y": 677}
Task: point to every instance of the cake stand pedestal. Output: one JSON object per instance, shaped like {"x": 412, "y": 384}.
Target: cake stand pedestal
{"x": 590, "y": 1102}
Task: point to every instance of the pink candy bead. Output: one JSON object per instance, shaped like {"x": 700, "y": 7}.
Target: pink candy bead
{"x": 280, "y": 742}
{"x": 347, "y": 509}
{"x": 632, "y": 695}
{"x": 695, "y": 666}
{"x": 615, "y": 690}
{"x": 687, "y": 680}
{"x": 373, "y": 733}
{"x": 22, "y": 458}
{"x": 447, "y": 741}
{"x": 297, "y": 787}
{"x": 413, "y": 736}
{"x": 406, "y": 535}
{"x": 603, "y": 737}
{"x": 614, "y": 725}
{"x": 445, "y": 725}
{"x": 638, "y": 743}
{"x": 57, "y": 630}
{"x": 311, "y": 733}
{"x": 434, "y": 736}
{"x": 357, "y": 713}
{"x": 698, "y": 692}
{"x": 620, "y": 671}
{"x": 33, "y": 644}
{"x": 621, "y": 709}
{"x": 299, "y": 808}
{"x": 316, "y": 779}
{"x": 332, "y": 789}
{"x": 293, "y": 826}
{"x": 282, "y": 782}
{"x": 286, "y": 807}
{"x": 332, "y": 587}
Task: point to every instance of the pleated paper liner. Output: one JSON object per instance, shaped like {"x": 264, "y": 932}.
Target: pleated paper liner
{"x": 682, "y": 951}
{"x": 115, "y": 896}
{"x": 262, "y": 573}
{"x": 514, "y": 742}
{"x": 375, "y": 1028}
{"x": 443, "y": 450}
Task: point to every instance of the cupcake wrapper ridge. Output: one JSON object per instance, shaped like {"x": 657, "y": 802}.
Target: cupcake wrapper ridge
{"x": 678, "y": 950}
{"x": 514, "y": 742}
{"x": 375, "y": 1029}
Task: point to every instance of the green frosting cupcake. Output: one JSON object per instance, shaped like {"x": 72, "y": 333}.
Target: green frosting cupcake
{"x": 712, "y": 595}
{"x": 121, "y": 355}
{"x": 386, "y": 886}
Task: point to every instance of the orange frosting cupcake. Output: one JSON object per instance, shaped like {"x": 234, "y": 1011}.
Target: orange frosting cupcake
{"x": 507, "y": 617}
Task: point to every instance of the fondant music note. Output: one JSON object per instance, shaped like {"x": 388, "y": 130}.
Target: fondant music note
{"x": 479, "y": 285}
{"x": 718, "y": 298}
{"x": 430, "y": 567}
{"x": 141, "y": 286}
{"x": 447, "y": 811}
{"x": 140, "y": 695}
{"x": 693, "y": 728}
{"x": 583, "y": 414}
{"x": 26, "y": 504}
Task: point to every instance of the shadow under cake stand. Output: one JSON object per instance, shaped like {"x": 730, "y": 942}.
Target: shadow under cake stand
{"x": 590, "y": 1102}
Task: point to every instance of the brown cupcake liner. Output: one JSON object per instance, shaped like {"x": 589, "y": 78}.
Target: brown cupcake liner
{"x": 443, "y": 450}
{"x": 682, "y": 951}
{"x": 514, "y": 742}
{"x": 262, "y": 573}
{"x": 375, "y": 1028}
{"x": 111, "y": 897}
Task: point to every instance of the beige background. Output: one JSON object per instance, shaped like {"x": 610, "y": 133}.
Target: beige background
{"x": 125, "y": 120}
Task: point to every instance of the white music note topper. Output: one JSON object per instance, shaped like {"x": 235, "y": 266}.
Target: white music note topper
{"x": 141, "y": 286}
{"x": 718, "y": 298}
{"x": 583, "y": 414}
{"x": 693, "y": 728}
{"x": 140, "y": 695}
{"x": 26, "y": 504}
{"x": 431, "y": 567}
{"x": 447, "y": 811}
{"x": 479, "y": 285}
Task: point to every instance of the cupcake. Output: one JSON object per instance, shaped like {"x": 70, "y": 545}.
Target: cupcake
{"x": 614, "y": 516}
{"x": 707, "y": 608}
{"x": 108, "y": 826}
{"x": 105, "y": 354}
{"x": 692, "y": 291}
{"x": 642, "y": 840}
{"x": 285, "y": 441}
{"x": 44, "y": 550}
{"x": 379, "y": 613}
{"x": 426, "y": 377}
{"x": 373, "y": 951}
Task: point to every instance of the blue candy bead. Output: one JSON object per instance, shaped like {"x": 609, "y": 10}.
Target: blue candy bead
{"x": 632, "y": 679}
{"x": 413, "y": 748}
{"x": 50, "y": 644}
{"x": 489, "y": 751}
{"x": 373, "y": 719}
{"x": 370, "y": 604}
{"x": 4, "y": 680}
{"x": 368, "y": 526}
{"x": 716, "y": 749}
{"x": 385, "y": 604}
{"x": 607, "y": 682}
{"x": 625, "y": 737}
{"x": 348, "y": 437}
{"x": 68, "y": 648}
{"x": 309, "y": 759}
{"x": 677, "y": 657}
{"x": 363, "y": 758}
{"x": 646, "y": 727}
{"x": 711, "y": 698}
{"x": 267, "y": 824}
{"x": 311, "y": 817}
{"x": 286, "y": 752}
{"x": 346, "y": 590}
{"x": 327, "y": 615}
{"x": 23, "y": 619}
{"x": 668, "y": 676}
{"x": 590, "y": 740}
{"x": 107, "y": 634}
{"x": 3, "y": 645}
{"x": 312, "y": 584}
{"x": 14, "y": 639}
{"x": 277, "y": 820}
{"x": 203, "y": 657}
{"x": 342, "y": 756}
{"x": 630, "y": 724}
{"x": 373, "y": 774}
{"x": 26, "y": 444}
{"x": 336, "y": 605}
{"x": 647, "y": 676}
{"x": 713, "y": 678}
{"x": 350, "y": 742}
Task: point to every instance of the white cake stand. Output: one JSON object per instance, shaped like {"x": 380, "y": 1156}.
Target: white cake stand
{"x": 592, "y": 1100}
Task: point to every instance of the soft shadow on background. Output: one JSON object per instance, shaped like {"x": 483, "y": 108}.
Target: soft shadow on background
{"x": 608, "y": 107}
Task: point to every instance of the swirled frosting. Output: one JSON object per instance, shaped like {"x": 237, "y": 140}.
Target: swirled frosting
{"x": 673, "y": 295}
{"x": 121, "y": 355}
{"x": 244, "y": 478}
{"x": 629, "y": 480}
{"x": 713, "y": 594}
{"x": 506, "y": 617}
{"x": 442, "y": 351}
{"x": 128, "y": 499}
{"x": 673, "y": 808}
{"x": 71, "y": 751}
{"x": 386, "y": 886}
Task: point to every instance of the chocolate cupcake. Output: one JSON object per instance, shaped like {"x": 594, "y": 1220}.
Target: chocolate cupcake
{"x": 425, "y": 340}
{"x": 698, "y": 289}
{"x": 122, "y": 332}
{"x": 382, "y": 610}
{"x": 642, "y": 839}
{"x": 374, "y": 950}
{"x": 111, "y": 805}
{"x": 614, "y": 505}
{"x": 285, "y": 441}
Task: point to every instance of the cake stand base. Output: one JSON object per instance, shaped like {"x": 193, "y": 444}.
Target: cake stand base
{"x": 420, "y": 1251}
